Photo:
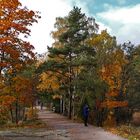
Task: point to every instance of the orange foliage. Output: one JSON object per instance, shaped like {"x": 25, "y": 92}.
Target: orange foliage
{"x": 112, "y": 104}
{"x": 6, "y": 100}
{"x": 24, "y": 89}
{"x": 14, "y": 22}
{"x": 111, "y": 74}
{"x": 112, "y": 61}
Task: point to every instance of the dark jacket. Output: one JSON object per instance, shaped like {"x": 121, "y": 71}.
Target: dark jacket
{"x": 85, "y": 111}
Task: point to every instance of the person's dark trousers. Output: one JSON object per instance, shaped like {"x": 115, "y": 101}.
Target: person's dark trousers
{"x": 85, "y": 120}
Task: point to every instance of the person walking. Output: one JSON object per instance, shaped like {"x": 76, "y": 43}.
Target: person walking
{"x": 85, "y": 114}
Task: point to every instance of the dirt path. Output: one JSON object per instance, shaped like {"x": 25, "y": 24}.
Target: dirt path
{"x": 59, "y": 128}
{"x": 74, "y": 131}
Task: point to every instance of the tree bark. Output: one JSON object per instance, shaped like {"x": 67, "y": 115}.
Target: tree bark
{"x": 16, "y": 111}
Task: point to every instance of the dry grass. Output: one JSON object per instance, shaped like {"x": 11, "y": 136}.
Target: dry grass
{"x": 35, "y": 123}
{"x": 127, "y": 131}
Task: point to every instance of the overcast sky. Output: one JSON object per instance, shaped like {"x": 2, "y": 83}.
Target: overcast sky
{"x": 120, "y": 17}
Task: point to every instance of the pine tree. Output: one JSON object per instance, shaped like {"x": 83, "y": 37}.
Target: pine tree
{"x": 69, "y": 46}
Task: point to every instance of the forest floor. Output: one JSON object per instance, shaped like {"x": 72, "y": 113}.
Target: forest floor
{"x": 58, "y": 128}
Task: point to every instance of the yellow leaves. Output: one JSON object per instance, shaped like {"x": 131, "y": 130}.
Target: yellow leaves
{"x": 61, "y": 25}
{"x": 48, "y": 81}
{"x": 100, "y": 40}
{"x": 95, "y": 41}
{"x": 56, "y": 34}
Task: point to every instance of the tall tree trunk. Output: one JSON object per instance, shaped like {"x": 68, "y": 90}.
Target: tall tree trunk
{"x": 23, "y": 113}
{"x": 19, "y": 112}
{"x": 61, "y": 105}
{"x": 11, "y": 113}
{"x": 64, "y": 105}
{"x": 16, "y": 111}
{"x": 70, "y": 87}
{"x": 32, "y": 107}
{"x": 70, "y": 104}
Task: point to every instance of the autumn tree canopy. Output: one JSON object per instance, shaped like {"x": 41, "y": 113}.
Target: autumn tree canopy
{"x": 14, "y": 26}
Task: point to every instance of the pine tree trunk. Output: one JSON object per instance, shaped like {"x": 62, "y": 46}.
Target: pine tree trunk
{"x": 70, "y": 87}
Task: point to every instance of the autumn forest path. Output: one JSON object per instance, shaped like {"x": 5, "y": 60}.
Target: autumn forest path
{"x": 58, "y": 128}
